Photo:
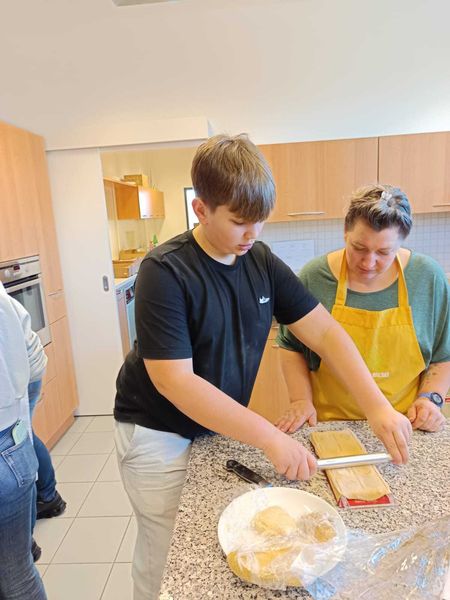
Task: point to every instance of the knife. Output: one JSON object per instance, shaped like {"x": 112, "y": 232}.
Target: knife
{"x": 337, "y": 462}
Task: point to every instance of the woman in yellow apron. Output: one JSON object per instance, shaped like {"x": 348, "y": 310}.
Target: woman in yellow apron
{"x": 395, "y": 305}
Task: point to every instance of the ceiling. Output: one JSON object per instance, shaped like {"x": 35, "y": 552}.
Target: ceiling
{"x": 281, "y": 70}
{"x": 133, "y": 2}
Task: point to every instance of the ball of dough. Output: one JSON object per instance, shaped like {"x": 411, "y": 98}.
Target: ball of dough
{"x": 269, "y": 568}
{"x": 274, "y": 521}
{"x": 316, "y": 528}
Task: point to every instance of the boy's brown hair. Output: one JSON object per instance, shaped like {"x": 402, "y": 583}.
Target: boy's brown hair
{"x": 231, "y": 171}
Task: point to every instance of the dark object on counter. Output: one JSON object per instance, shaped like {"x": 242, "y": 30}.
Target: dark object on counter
{"x": 246, "y": 474}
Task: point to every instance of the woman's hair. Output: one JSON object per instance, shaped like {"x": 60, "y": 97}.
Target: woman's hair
{"x": 232, "y": 171}
{"x": 380, "y": 206}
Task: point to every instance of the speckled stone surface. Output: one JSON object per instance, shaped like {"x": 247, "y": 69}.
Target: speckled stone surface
{"x": 196, "y": 568}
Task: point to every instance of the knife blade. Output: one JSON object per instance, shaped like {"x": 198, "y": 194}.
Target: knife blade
{"x": 338, "y": 462}
{"x": 246, "y": 474}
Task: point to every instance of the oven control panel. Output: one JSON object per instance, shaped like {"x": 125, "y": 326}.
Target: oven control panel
{"x": 22, "y": 268}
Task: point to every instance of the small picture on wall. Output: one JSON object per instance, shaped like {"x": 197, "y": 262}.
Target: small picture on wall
{"x": 191, "y": 218}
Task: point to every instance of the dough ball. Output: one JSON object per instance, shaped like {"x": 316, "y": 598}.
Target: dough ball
{"x": 316, "y": 528}
{"x": 269, "y": 568}
{"x": 274, "y": 521}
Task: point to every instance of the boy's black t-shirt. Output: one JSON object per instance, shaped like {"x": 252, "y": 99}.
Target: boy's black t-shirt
{"x": 188, "y": 305}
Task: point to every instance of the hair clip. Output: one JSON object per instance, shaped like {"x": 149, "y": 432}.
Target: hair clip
{"x": 386, "y": 196}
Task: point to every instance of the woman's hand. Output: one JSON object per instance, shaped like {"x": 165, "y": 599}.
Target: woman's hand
{"x": 425, "y": 415}
{"x": 394, "y": 430}
{"x": 298, "y": 413}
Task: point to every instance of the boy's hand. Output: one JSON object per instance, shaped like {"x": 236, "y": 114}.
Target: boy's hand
{"x": 394, "y": 430}
{"x": 297, "y": 415}
{"x": 425, "y": 415}
{"x": 289, "y": 457}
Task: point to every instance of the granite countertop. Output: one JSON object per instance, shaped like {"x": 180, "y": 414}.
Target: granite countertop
{"x": 196, "y": 568}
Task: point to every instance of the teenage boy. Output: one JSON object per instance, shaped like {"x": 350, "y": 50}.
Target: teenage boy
{"x": 204, "y": 306}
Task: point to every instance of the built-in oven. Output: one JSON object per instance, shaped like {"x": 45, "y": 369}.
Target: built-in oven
{"x": 22, "y": 280}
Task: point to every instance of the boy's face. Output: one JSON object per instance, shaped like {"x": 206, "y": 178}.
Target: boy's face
{"x": 225, "y": 231}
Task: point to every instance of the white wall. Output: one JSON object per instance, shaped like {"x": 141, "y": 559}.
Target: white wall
{"x": 429, "y": 235}
{"x": 88, "y": 73}
{"x": 81, "y": 225}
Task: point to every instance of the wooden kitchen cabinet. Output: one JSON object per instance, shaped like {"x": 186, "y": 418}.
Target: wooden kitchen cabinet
{"x": 135, "y": 201}
{"x": 65, "y": 373}
{"x": 46, "y": 232}
{"x": 270, "y": 396}
{"x": 420, "y": 166}
{"x": 54, "y": 412}
{"x": 18, "y": 236}
{"x": 315, "y": 179}
{"x": 27, "y": 228}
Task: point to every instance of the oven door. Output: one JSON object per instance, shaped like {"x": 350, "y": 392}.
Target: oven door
{"x": 30, "y": 294}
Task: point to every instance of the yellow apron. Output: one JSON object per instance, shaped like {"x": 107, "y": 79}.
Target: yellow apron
{"x": 386, "y": 340}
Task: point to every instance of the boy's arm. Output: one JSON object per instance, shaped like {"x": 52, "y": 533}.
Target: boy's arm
{"x": 207, "y": 405}
{"x": 298, "y": 382}
{"x": 320, "y": 332}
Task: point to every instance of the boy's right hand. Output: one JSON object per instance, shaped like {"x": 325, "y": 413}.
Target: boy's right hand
{"x": 289, "y": 457}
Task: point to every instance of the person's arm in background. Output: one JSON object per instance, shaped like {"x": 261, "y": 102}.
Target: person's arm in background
{"x": 298, "y": 382}
{"x": 423, "y": 414}
{"x": 320, "y": 332}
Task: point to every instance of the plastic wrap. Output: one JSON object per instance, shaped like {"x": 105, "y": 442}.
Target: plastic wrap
{"x": 281, "y": 537}
{"x": 406, "y": 565}
{"x": 341, "y": 565}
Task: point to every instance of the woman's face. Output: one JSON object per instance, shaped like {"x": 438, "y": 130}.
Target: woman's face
{"x": 370, "y": 253}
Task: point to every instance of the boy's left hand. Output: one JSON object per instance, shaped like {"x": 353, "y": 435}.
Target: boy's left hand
{"x": 394, "y": 430}
{"x": 425, "y": 415}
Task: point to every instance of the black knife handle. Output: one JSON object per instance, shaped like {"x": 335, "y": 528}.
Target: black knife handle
{"x": 245, "y": 473}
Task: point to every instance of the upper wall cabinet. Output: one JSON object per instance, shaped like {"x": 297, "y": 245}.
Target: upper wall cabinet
{"x": 315, "y": 179}
{"x": 420, "y": 166}
{"x": 135, "y": 201}
{"x": 18, "y": 236}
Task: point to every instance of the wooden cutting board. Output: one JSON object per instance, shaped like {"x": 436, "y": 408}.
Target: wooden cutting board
{"x": 358, "y": 483}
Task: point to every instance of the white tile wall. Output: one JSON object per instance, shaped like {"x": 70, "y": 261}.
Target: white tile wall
{"x": 430, "y": 235}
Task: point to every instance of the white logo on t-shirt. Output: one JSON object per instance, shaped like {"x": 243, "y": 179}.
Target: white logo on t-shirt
{"x": 263, "y": 300}
{"x": 383, "y": 374}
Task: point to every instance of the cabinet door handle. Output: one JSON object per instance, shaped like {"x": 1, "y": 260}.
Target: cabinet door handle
{"x": 275, "y": 345}
{"x": 439, "y": 205}
{"x": 306, "y": 213}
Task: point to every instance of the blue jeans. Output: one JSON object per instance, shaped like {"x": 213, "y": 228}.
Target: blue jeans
{"x": 46, "y": 482}
{"x": 19, "y": 578}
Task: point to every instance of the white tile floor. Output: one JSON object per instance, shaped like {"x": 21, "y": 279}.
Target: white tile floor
{"x": 87, "y": 551}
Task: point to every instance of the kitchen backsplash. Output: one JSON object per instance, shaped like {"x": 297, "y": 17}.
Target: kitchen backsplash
{"x": 430, "y": 235}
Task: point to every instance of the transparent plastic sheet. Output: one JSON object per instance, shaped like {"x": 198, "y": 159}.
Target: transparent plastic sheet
{"x": 283, "y": 561}
{"x": 410, "y": 564}
{"x": 294, "y": 553}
